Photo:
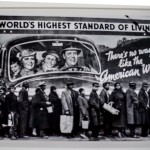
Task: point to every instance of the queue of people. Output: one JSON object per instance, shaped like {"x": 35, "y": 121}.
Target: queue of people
{"x": 21, "y": 118}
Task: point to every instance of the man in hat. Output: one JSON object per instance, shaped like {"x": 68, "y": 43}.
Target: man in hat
{"x": 132, "y": 108}
{"x": 94, "y": 109}
{"x": 42, "y": 102}
{"x": 23, "y": 109}
{"x": 13, "y": 110}
{"x": 70, "y": 106}
{"x": 50, "y": 62}
{"x": 70, "y": 54}
{"x": 144, "y": 105}
{"x": 28, "y": 62}
{"x": 105, "y": 98}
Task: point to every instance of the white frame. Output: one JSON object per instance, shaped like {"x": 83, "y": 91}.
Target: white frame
{"x": 4, "y": 7}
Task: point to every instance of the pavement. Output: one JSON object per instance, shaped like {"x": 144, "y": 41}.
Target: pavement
{"x": 78, "y": 138}
{"x": 61, "y": 142}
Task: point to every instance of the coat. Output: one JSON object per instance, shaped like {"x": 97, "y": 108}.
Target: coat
{"x": 131, "y": 106}
{"x": 119, "y": 100}
{"x": 94, "y": 108}
{"x": 83, "y": 107}
{"x": 107, "y": 116}
{"x": 12, "y": 103}
{"x": 143, "y": 98}
{"x": 42, "y": 112}
{"x": 23, "y": 100}
{"x": 57, "y": 110}
{"x": 67, "y": 102}
{"x": 3, "y": 111}
{"x": 34, "y": 113}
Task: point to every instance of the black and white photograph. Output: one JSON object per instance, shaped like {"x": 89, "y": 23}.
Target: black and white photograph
{"x": 75, "y": 77}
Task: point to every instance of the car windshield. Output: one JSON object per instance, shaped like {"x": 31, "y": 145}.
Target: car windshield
{"x": 52, "y": 56}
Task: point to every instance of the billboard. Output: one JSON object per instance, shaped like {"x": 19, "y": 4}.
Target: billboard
{"x": 80, "y": 49}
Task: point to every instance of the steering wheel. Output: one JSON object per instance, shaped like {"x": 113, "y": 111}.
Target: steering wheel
{"x": 73, "y": 68}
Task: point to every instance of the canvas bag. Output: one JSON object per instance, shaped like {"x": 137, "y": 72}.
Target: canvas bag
{"x": 50, "y": 109}
{"x": 108, "y": 107}
{"x": 85, "y": 124}
{"x": 66, "y": 124}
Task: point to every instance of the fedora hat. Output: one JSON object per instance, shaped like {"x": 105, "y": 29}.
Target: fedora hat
{"x": 50, "y": 53}
{"x": 27, "y": 53}
{"x": 132, "y": 83}
{"x": 42, "y": 83}
{"x": 70, "y": 47}
{"x": 69, "y": 83}
{"x": 145, "y": 84}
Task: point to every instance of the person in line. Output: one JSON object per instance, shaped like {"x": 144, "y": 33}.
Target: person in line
{"x": 132, "y": 103}
{"x": 33, "y": 120}
{"x": 84, "y": 109}
{"x": 70, "y": 106}
{"x": 57, "y": 110}
{"x": 107, "y": 116}
{"x": 23, "y": 109}
{"x": 13, "y": 111}
{"x": 94, "y": 109}
{"x": 144, "y": 106}
{"x": 119, "y": 102}
{"x": 42, "y": 102}
{"x": 3, "y": 112}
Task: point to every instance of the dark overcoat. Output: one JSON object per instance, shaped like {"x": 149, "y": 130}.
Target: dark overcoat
{"x": 94, "y": 108}
{"x": 42, "y": 112}
{"x": 34, "y": 113}
{"x": 3, "y": 111}
{"x": 143, "y": 107}
{"x": 119, "y": 100}
{"x": 12, "y": 103}
{"x": 132, "y": 107}
{"x": 83, "y": 107}
{"x": 57, "y": 111}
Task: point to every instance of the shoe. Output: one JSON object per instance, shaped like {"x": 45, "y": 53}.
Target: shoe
{"x": 13, "y": 138}
{"x": 45, "y": 137}
{"x": 119, "y": 135}
{"x": 69, "y": 137}
{"x": 83, "y": 136}
{"x": 135, "y": 136}
{"x": 25, "y": 137}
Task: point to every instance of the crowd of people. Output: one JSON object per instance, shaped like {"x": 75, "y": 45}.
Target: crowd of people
{"x": 21, "y": 118}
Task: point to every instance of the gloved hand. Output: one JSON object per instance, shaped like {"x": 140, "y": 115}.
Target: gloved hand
{"x": 48, "y": 103}
{"x": 85, "y": 117}
{"x": 67, "y": 112}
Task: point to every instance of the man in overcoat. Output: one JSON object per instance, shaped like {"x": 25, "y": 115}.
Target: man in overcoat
{"x": 42, "y": 102}
{"x": 70, "y": 106}
{"x": 132, "y": 103}
{"x": 23, "y": 109}
{"x": 13, "y": 111}
{"x": 105, "y": 98}
{"x": 94, "y": 108}
{"x": 144, "y": 105}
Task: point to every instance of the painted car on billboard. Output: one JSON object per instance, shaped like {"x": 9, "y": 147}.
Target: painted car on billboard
{"x": 44, "y": 58}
